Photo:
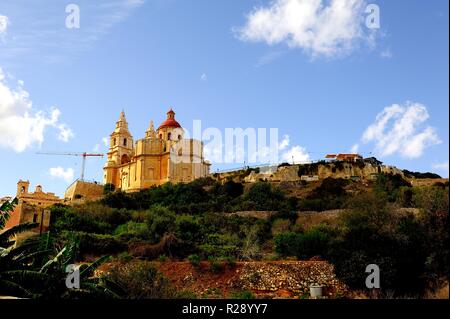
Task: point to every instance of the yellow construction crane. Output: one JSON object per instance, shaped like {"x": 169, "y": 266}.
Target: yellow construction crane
{"x": 84, "y": 155}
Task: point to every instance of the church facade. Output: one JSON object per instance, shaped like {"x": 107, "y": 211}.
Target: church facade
{"x": 162, "y": 156}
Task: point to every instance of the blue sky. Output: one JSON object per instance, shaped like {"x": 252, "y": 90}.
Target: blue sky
{"x": 324, "y": 79}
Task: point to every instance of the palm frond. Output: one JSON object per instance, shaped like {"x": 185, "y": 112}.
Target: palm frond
{"x": 22, "y": 276}
{"x": 9, "y": 288}
{"x": 7, "y": 234}
{"x": 53, "y": 261}
{"x": 90, "y": 269}
{"x": 32, "y": 255}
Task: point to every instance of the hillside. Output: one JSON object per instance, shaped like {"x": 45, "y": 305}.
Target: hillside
{"x": 222, "y": 237}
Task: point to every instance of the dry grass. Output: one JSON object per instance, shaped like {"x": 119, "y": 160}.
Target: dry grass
{"x": 441, "y": 293}
{"x": 307, "y": 220}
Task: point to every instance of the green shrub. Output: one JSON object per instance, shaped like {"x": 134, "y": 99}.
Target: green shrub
{"x": 314, "y": 242}
{"x": 194, "y": 260}
{"x": 159, "y": 220}
{"x": 96, "y": 244}
{"x": 264, "y": 196}
{"x": 140, "y": 280}
{"x": 389, "y": 185}
{"x": 216, "y": 265}
{"x": 242, "y": 294}
{"x": 108, "y": 188}
{"x": 132, "y": 230}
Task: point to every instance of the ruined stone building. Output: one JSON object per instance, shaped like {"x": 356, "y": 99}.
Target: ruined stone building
{"x": 32, "y": 207}
{"x": 163, "y": 155}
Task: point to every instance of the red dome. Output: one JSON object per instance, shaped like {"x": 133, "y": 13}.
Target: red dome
{"x": 170, "y": 122}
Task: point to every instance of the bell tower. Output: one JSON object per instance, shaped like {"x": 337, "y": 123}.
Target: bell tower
{"x": 121, "y": 148}
{"x": 22, "y": 188}
{"x": 121, "y": 142}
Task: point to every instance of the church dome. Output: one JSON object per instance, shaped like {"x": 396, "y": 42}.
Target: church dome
{"x": 170, "y": 122}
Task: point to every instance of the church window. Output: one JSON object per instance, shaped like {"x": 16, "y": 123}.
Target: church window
{"x": 114, "y": 142}
{"x": 22, "y": 190}
{"x": 35, "y": 216}
{"x": 124, "y": 142}
{"x": 169, "y": 136}
{"x": 179, "y": 137}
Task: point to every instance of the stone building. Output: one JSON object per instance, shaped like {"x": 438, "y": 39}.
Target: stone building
{"x": 32, "y": 207}
{"x": 162, "y": 156}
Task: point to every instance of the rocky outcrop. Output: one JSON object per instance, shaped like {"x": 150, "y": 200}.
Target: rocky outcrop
{"x": 322, "y": 170}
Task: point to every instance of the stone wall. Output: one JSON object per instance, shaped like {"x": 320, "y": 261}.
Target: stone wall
{"x": 87, "y": 191}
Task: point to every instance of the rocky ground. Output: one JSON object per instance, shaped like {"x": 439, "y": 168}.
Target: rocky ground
{"x": 277, "y": 279}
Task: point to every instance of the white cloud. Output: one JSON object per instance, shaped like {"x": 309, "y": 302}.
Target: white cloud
{"x": 319, "y": 27}
{"x": 354, "y": 149}
{"x": 59, "y": 172}
{"x": 441, "y": 166}
{"x": 284, "y": 142}
{"x": 65, "y": 133}
{"x": 297, "y": 154}
{"x": 269, "y": 58}
{"x": 104, "y": 143}
{"x": 22, "y": 126}
{"x": 399, "y": 129}
{"x": 386, "y": 54}
{"x": 204, "y": 77}
{"x": 4, "y": 22}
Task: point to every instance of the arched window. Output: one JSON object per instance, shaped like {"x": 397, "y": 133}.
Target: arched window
{"x": 179, "y": 137}
{"x": 125, "y": 159}
{"x": 124, "y": 142}
{"x": 160, "y": 136}
{"x": 114, "y": 142}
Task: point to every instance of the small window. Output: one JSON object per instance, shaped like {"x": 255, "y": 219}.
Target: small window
{"x": 35, "y": 216}
{"x": 179, "y": 137}
{"x": 22, "y": 190}
{"x": 169, "y": 136}
{"x": 160, "y": 136}
{"x": 114, "y": 142}
{"x": 124, "y": 142}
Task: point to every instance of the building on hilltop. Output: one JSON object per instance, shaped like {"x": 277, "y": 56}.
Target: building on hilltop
{"x": 32, "y": 207}
{"x": 163, "y": 155}
{"x": 344, "y": 157}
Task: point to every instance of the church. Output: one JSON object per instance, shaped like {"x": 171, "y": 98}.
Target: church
{"x": 162, "y": 156}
